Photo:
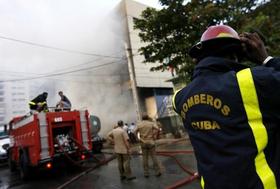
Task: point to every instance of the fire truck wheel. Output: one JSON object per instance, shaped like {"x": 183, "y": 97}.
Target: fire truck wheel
{"x": 23, "y": 166}
{"x": 11, "y": 163}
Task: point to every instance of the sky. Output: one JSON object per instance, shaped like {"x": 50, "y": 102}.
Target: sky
{"x": 152, "y": 3}
{"x": 61, "y": 24}
{"x": 69, "y": 45}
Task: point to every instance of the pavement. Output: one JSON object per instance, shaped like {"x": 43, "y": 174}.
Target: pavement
{"x": 107, "y": 176}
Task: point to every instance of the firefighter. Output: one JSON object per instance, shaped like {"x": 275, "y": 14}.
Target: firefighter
{"x": 64, "y": 102}
{"x": 120, "y": 139}
{"x": 231, "y": 112}
{"x": 146, "y": 131}
{"x": 39, "y": 103}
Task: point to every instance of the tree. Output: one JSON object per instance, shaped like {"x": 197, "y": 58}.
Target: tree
{"x": 266, "y": 20}
{"x": 171, "y": 31}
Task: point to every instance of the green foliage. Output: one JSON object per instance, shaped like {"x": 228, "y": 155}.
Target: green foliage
{"x": 171, "y": 31}
{"x": 266, "y": 20}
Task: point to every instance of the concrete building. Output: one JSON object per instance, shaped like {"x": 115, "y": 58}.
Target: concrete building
{"x": 13, "y": 98}
{"x": 151, "y": 91}
{"x": 15, "y": 95}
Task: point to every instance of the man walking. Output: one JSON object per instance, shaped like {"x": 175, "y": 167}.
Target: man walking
{"x": 39, "y": 103}
{"x": 120, "y": 139}
{"x": 146, "y": 130}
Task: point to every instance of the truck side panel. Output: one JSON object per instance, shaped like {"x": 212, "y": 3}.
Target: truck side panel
{"x": 25, "y": 135}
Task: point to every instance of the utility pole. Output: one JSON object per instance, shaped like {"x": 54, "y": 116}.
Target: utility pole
{"x": 133, "y": 81}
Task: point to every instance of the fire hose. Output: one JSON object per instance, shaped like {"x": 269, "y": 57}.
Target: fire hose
{"x": 82, "y": 146}
{"x": 187, "y": 180}
{"x": 166, "y": 153}
{"x": 89, "y": 168}
{"x": 71, "y": 159}
{"x": 105, "y": 161}
{"x": 172, "y": 154}
{"x": 184, "y": 181}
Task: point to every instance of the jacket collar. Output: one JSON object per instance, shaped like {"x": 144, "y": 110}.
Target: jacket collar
{"x": 216, "y": 64}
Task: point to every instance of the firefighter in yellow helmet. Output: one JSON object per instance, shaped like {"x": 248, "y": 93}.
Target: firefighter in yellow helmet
{"x": 231, "y": 112}
{"x": 39, "y": 103}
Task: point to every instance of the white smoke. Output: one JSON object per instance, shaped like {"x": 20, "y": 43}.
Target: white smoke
{"x": 81, "y": 27}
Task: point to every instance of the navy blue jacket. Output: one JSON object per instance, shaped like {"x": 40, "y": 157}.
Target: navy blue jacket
{"x": 225, "y": 130}
{"x": 65, "y": 99}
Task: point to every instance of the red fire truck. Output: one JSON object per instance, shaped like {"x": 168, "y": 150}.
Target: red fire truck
{"x": 42, "y": 139}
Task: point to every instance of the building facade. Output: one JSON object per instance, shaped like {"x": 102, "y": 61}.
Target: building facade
{"x": 13, "y": 98}
{"x": 151, "y": 91}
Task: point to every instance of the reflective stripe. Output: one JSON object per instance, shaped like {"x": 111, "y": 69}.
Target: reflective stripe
{"x": 254, "y": 116}
{"x": 202, "y": 182}
{"x": 32, "y": 103}
{"x": 42, "y": 103}
{"x": 39, "y": 103}
{"x": 173, "y": 99}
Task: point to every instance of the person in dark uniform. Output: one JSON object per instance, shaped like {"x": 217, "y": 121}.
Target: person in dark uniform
{"x": 39, "y": 103}
{"x": 64, "y": 102}
{"x": 231, "y": 112}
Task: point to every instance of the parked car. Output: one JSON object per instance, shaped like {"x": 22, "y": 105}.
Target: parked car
{"x": 4, "y": 145}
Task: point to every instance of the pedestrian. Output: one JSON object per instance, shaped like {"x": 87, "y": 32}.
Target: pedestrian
{"x": 64, "y": 102}
{"x": 131, "y": 134}
{"x": 122, "y": 149}
{"x": 231, "y": 112}
{"x": 39, "y": 103}
{"x": 125, "y": 127}
{"x": 132, "y": 126}
{"x": 146, "y": 131}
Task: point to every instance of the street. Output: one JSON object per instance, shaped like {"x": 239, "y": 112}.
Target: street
{"x": 107, "y": 176}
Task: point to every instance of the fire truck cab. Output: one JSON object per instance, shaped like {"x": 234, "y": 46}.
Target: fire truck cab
{"x": 40, "y": 140}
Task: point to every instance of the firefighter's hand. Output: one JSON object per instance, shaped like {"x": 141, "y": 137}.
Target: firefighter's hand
{"x": 253, "y": 47}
